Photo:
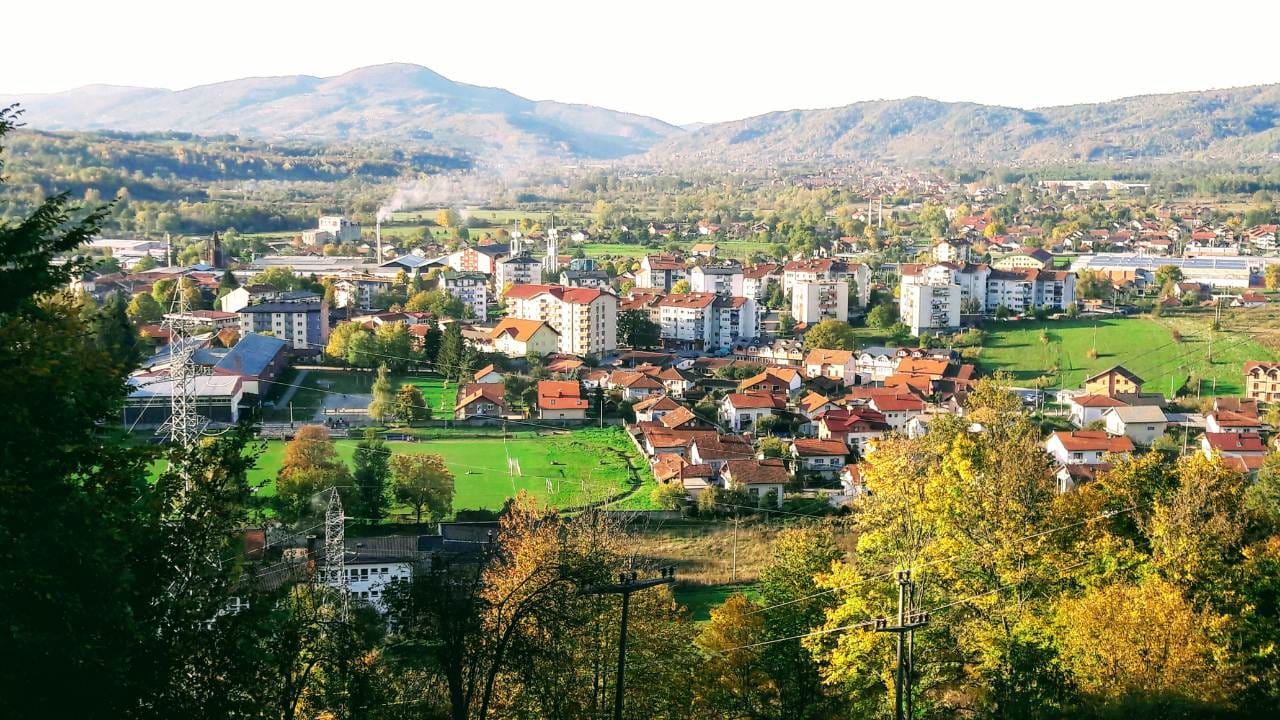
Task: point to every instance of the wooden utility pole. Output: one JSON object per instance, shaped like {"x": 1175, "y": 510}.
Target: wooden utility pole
{"x": 627, "y": 584}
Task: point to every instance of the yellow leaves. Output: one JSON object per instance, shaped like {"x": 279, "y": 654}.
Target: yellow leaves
{"x": 1142, "y": 639}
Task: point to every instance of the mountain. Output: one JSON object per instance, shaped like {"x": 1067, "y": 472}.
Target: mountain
{"x": 395, "y": 102}
{"x": 1238, "y": 124}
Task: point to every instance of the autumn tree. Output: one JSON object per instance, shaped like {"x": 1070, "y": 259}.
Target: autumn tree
{"x": 411, "y": 405}
{"x": 423, "y": 482}
{"x": 732, "y": 680}
{"x": 831, "y": 335}
{"x": 311, "y": 465}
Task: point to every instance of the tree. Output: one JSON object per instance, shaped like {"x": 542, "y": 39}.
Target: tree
{"x": 450, "y": 355}
{"x": 423, "y": 482}
{"x": 882, "y": 316}
{"x": 448, "y": 218}
{"x": 395, "y": 345}
{"x": 1272, "y": 277}
{"x": 371, "y": 470}
{"x": 772, "y": 447}
{"x": 1167, "y": 275}
{"x": 363, "y": 349}
{"x": 680, "y": 287}
{"x": 227, "y": 282}
{"x": 668, "y": 496}
{"x": 411, "y": 405}
{"x": 311, "y": 465}
{"x": 831, "y": 335}
{"x": 113, "y": 333}
{"x": 280, "y": 277}
{"x": 732, "y": 680}
{"x": 383, "y": 403}
{"x": 339, "y": 344}
{"x": 637, "y": 330}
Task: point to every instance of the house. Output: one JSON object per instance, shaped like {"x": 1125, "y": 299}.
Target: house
{"x": 516, "y": 337}
{"x": 634, "y": 385}
{"x": 897, "y": 409}
{"x": 707, "y": 250}
{"x": 1226, "y": 421}
{"x": 304, "y": 325}
{"x": 1249, "y": 300}
{"x": 1262, "y": 381}
{"x": 874, "y": 364}
{"x": 654, "y": 408}
{"x": 1085, "y": 446}
{"x": 1071, "y": 476}
{"x": 1113, "y": 382}
{"x": 813, "y": 404}
{"x": 1085, "y": 409}
{"x": 757, "y": 478}
{"x": 855, "y": 427}
{"x": 483, "y": 403}
{"x": 773, "y": 380}
{"x": 716, "y": 450}
{"x": 680, "y": 418}
{"x": 670, "y": 468}
{"x": 359, "y": 291}
{"x": 840, "y": 365}
{"x": 1229, "y": 445}
{"x": 756, "y": 280}
{"x": 1143, "y": 424}
{"x": 824, "y": 458}
{"x": 561, "y": 400}
{"x": 741, "y": 412}
{"x": 488, "y": 374}
{"x": 725, "y": 279}
{"x": 676, "y": 381}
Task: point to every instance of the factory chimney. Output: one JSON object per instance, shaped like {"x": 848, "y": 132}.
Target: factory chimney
{"x": 377, "y": 234}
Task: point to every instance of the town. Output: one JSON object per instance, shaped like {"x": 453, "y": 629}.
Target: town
{"x": 371, "y": 393}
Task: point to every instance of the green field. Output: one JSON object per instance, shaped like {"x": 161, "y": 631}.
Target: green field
{"x": 701, "y": 599}
{"x": 1144, "y": 345}
{"x": 727, "y": 249}
{"x": 350, "y": 388}
{"x": 564, "y": 469}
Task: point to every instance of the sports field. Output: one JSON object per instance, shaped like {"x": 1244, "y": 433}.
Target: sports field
{"x": 1058, "y": 352}
{"x": 318, "y": 389}
{"x": 565, "y": 470}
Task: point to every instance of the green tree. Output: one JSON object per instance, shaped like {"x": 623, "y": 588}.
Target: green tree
{"x": 424, "y": 483}
{"x": 831, "y": 335}
{"x": 668, "y": 496}
{"x": 410, "y": 404}
{"x": 637, "y": 330}
{"x": 383, "y": 403}
{"x": 450, "y": 355}
{"x": 280, "y": 278}
{"x": 113, "y": 333}
{"x": 363, "y": 349}
{"x": 395, "y": 345}
{"x": 371, "y": 472}
{"x": 882, "y": 316}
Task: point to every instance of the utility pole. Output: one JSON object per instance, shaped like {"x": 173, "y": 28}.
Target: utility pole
{"x": 627, "y": 584}
{"x": 733, "y": 572}
{"x": 908, "y": 620}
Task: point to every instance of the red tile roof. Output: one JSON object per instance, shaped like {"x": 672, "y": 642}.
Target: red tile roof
{"x": 560, "y": 395}
{"x": 1236, "y": 442}
{"x": 769, "y": 471}
{"x": 810, "y": 447}
{"x": 1093, "y": 441}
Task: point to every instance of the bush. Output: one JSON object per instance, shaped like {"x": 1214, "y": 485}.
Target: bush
{"x": 668, "y": 496}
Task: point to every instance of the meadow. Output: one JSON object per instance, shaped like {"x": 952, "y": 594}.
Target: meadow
{"x": 1170, "y": 353}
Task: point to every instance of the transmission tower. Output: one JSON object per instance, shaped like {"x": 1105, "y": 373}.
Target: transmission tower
{"x": 335, "y": 571}
{"x": 185, "y": 424}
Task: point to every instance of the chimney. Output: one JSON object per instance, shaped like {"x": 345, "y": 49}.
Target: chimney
{"x": 377, "y": 234}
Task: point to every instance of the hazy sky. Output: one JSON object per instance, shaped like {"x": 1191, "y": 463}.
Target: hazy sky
{"x": 685, "y": 61}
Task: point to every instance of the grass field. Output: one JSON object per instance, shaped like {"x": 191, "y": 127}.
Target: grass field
{"x": 700, "y": 599}
{"x": 1144, "y": 345}
{"x": 349, "y": 388}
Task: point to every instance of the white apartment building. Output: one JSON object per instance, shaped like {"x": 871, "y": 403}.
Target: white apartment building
{"x": 825, "y": 269}
{"x": 472, "y": 288}
{"x": 586, "y": 318}
{"x": 928, "y": 308}
{"x": 660, "y": 272}
{"x": 813, "y": 302}
{"x": 756, "y": 280}
{"x": 705, "y": 321}
{"x": 724, "y": 280}
{"x": 519, "y": 270}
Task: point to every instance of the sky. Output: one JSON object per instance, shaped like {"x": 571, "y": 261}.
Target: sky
{"x": 683, "y": 62}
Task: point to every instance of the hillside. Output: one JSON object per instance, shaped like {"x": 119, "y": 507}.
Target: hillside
{"x": 1235, "y": 124}
{"x": 395, "y": 101}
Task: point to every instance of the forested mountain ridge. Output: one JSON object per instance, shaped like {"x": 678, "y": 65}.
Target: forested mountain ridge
{"x": 1238, "y": 124}
{"x": 397, "y": 101}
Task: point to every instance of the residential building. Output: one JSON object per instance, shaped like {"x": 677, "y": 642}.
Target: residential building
{"x": 898, "y": 409}
{"x": 487, "y": 374}
{"x": 523, "y": 269}
{"x": 654, "y": 408}
{"x": 782, "y": 351}
{"x": 478, "y": 258}
{"x": 773, "y": 380}
{"x": 759, "y": 479}
{"x": 824, "y": 458}
{"x": 742, "y": 411}
{"x": 1227, "y": 421}
{"x": 515, "y": 337}
{"x": 874, "y": 364}
{"x": 471, "y": 288}
{"x": 813, "y": 302}
{"x": 359, "y": 291}
{"x": 725, "y": 279}
{"x": 304, "y": 325}
{"x": 757, "y": 279}
{"x": 1262, "y": 381}
{"x": 1033, "y": 259}
{"x": 586, "y": 318}
{"x": 1143, "y": 424}
{"x": 716, "y": 450}
{"x": 561, "y": 400}
{"x": 855, "y": 427}
{"x": 660, "y": 272}
{"x": 1230, "y": 445}
{"x": 930, "y": 308}
{"x": 634, "y": 385}
{"x": 1116, "y": 381}
{"x": 1085, "y": 446}
{"x": 707, "y": 250}
{"x": 584, "y": 278}
{"x": 481, "y": 403}
{"x": 705, "y": 321}
{"x": 1085, "y": 409}
{"x": 952, "y": 250}
{"x": 857, "y": 276}
{"x": 839, "y": 365}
